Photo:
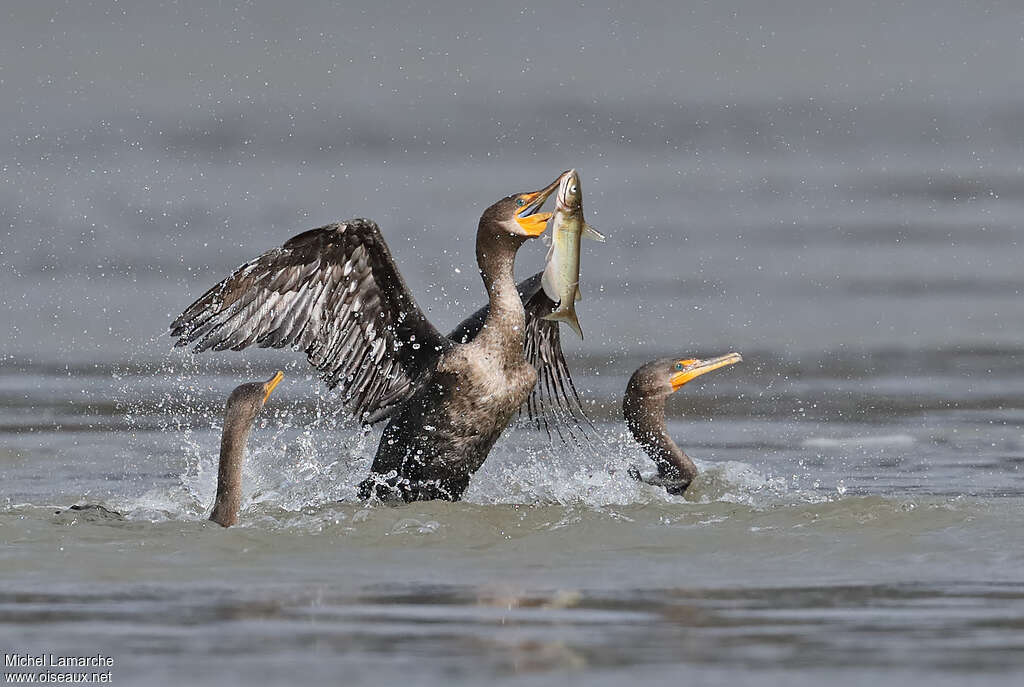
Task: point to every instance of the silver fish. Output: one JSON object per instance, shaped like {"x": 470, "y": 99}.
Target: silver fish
{"x": 561, "y": 278}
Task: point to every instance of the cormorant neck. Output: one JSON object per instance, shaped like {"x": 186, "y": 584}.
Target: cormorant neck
{"x": 505, "y": 324}
{"x": 229, "y": 473}
{"x": 645, "y": 417}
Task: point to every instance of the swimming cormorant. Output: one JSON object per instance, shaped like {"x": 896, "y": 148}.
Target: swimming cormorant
{"x": 242, "y": 407}
{"x": 644, "y": 409}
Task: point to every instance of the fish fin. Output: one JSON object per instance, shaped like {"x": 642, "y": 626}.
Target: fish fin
{"x": 567, "y": 316}
{"x": 579, "y": 296}
{"x": 592, "y": 233}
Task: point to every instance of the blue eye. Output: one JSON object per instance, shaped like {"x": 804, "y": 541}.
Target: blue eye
{"x": 679, "y": 366}
{"x": 520, "y": 202}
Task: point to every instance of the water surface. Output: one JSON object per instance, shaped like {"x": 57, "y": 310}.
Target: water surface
{"x": 835, "y": 193}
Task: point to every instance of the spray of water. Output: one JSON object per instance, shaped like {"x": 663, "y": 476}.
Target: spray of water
{"x": 305, "y": 453}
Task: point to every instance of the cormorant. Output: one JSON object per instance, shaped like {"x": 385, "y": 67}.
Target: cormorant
{"x": 336, "y": 293}
{"x": 241, "y": 409}
{"x": 243, "y": 405}
{"x": 644, "y": 409}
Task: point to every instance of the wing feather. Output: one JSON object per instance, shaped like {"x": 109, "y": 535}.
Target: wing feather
{"x": 334, "y": 293}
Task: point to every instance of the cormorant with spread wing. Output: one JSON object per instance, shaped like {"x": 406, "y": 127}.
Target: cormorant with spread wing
{"x": 336, "y": 293}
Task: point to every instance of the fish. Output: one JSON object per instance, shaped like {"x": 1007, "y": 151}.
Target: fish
{"x": 561, "y": 280}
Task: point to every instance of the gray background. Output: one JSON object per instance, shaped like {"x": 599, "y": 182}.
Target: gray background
{"x": 783, "y": 177}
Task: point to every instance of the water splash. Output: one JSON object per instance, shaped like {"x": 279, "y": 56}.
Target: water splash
{"x": 305, "y": 454}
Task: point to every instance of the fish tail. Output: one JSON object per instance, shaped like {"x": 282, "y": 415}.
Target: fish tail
{"x": 567, "y": 315}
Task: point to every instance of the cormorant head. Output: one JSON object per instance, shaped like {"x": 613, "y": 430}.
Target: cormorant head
{"x": 667, "y": 375}
{"x": 518, "y": 214}
{"x": 248, "y": 399}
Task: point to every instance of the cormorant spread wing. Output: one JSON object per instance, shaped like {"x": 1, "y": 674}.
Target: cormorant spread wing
{"x": 335, "y": 293}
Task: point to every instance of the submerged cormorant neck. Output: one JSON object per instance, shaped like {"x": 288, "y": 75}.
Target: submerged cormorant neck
{"x": 505, "y": 325}
{"x": 237, "y": 425}
{"x": 645, "y": 417}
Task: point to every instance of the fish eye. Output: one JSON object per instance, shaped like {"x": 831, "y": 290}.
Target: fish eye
{"x": 520, "y": 202}
{"x": 573, "y": 189}
{"x": 679, "y": 366}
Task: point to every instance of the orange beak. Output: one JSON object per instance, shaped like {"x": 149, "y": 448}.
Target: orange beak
{"x": 273, "y": 382}
{"x": 692, "y": 368}
{"x": 534, "y": 223}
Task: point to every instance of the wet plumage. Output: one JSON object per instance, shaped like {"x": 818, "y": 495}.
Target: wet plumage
{"x": 643, "y": 407}
{"x": 336, "y": 293}
{"x": 554, "y": 404}
{"x": 241, "y": 409}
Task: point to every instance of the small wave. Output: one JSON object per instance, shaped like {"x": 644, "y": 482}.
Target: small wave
{"x": 736, "y": 482}
{"x": 469, "y": 525}
{"x": 842, "y": 442}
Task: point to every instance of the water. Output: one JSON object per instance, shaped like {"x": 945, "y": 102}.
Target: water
{"x": 834, "y": 192}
